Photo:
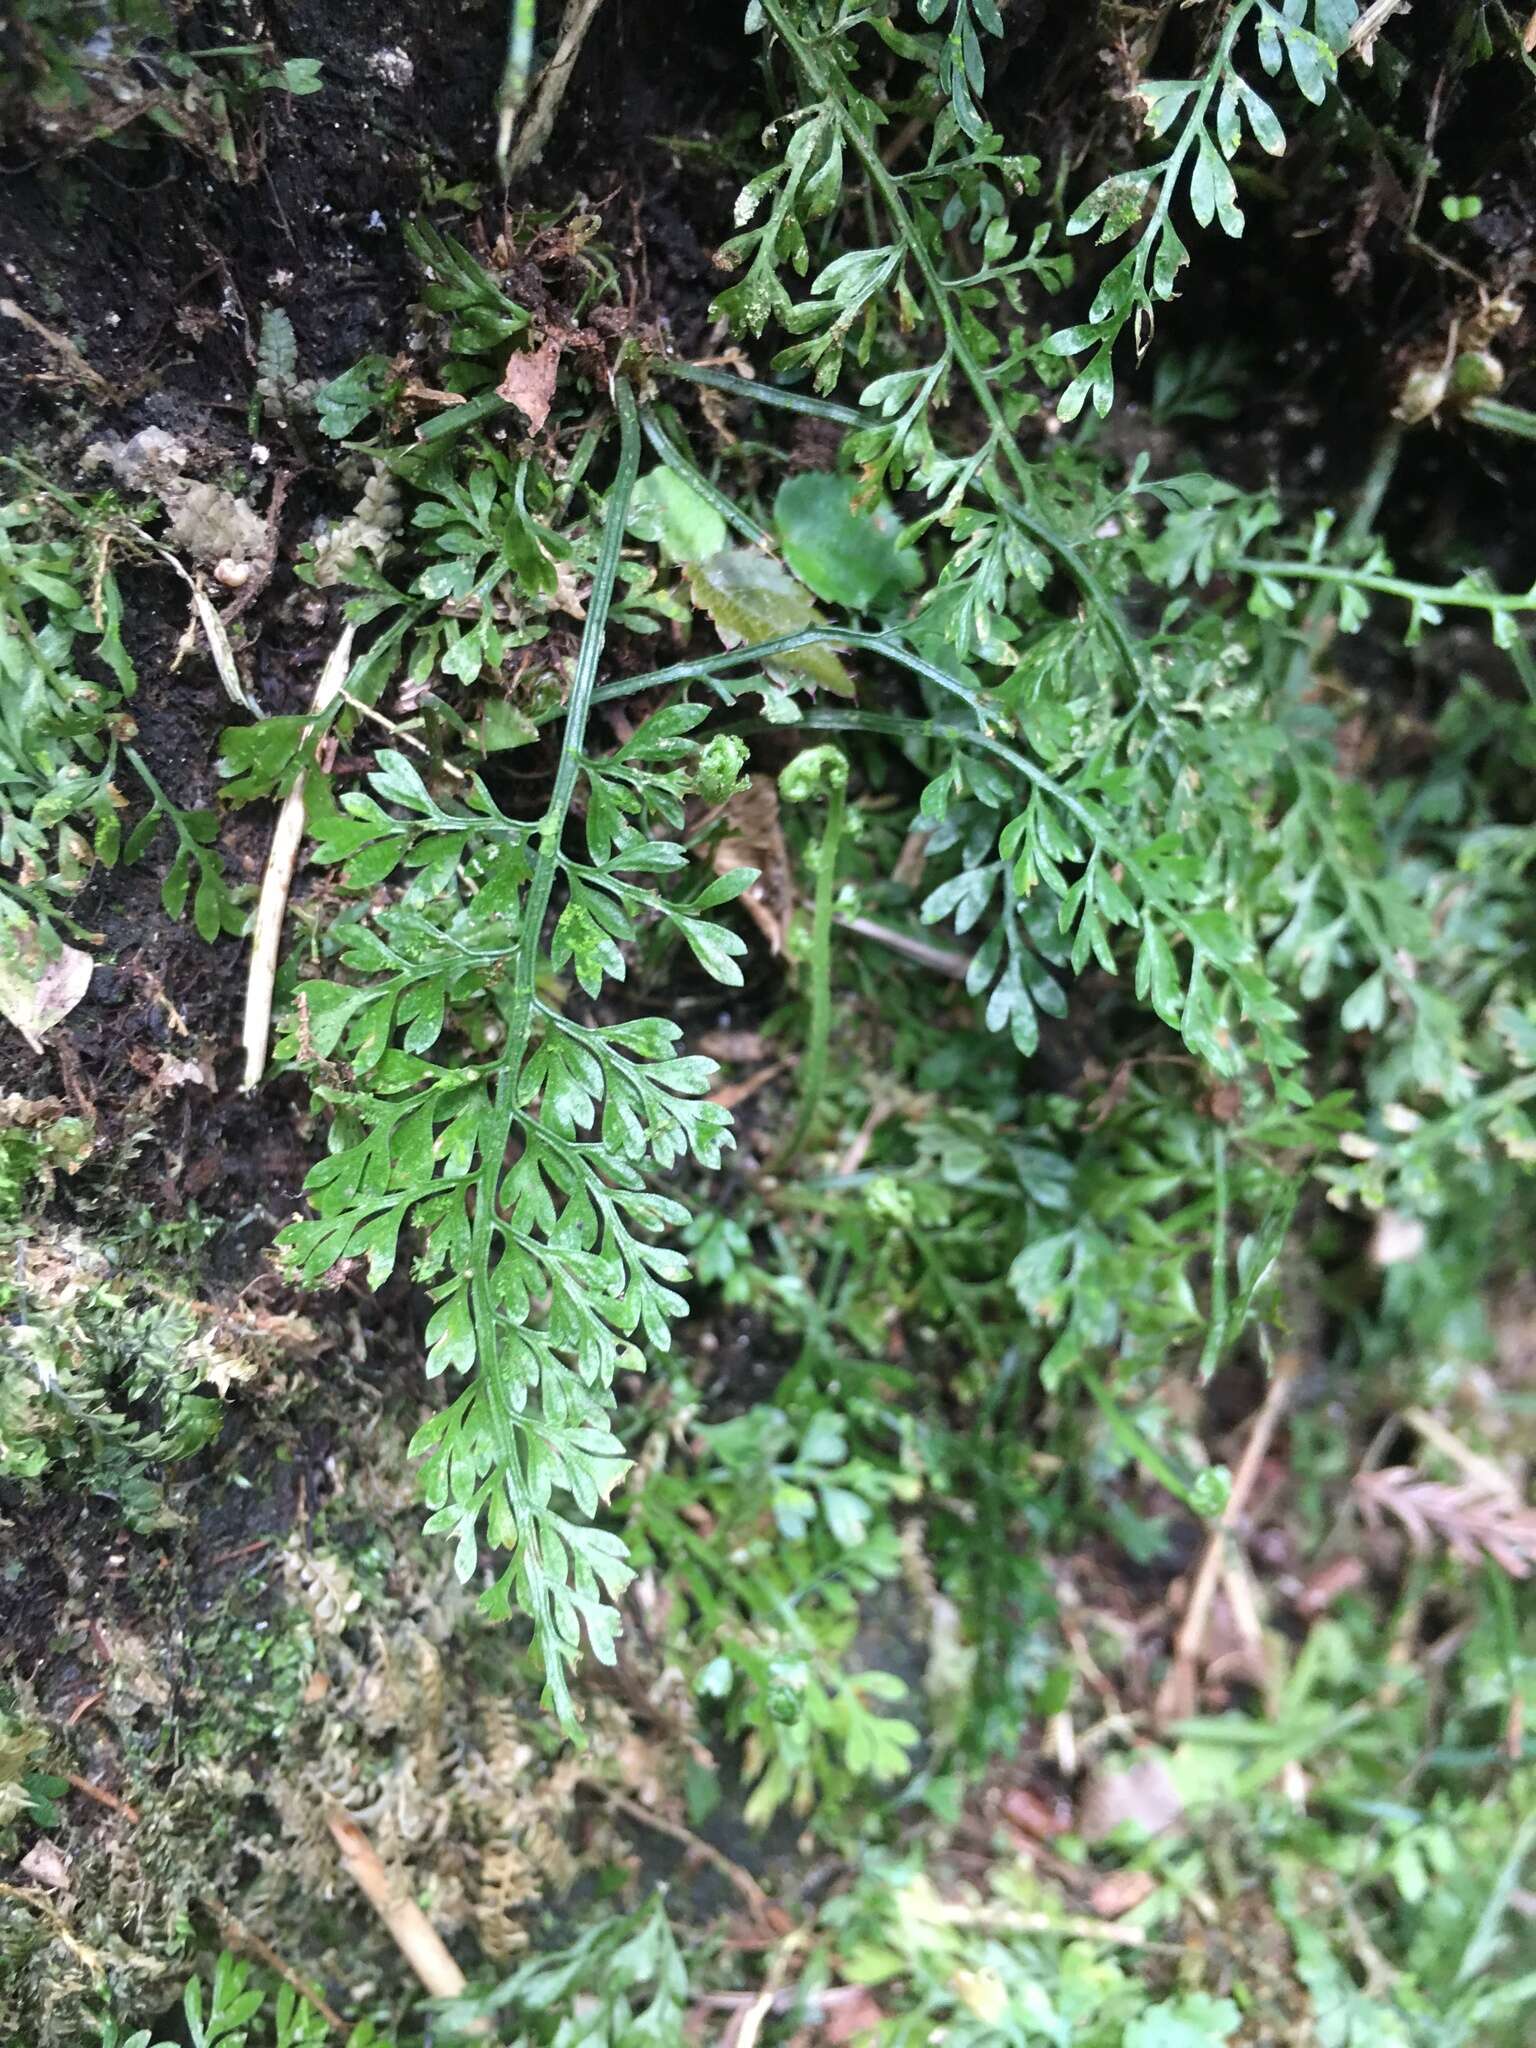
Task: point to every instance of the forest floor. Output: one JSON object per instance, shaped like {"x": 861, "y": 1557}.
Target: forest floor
{"x": 263, "y": 1635}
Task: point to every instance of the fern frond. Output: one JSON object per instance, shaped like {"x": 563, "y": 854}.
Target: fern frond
{"x": 1206, "y": 118}
{"x": 522, "y": 1178}
{"x": 1473, "y": 1520}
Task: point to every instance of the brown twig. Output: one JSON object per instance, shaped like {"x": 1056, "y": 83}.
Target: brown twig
{"x": 240, "y": 1550}
{"x": 74, "y": 363}
{"x": 399, "y": 732}
{"x": 235, "y": 1934}
{"x": 1179, "y": 1690}
{"x": 266, "y": 562}
{"x": 95, "y": 1963}
{"x": 553, "y": 80}
{"x": 82, "y": 1707}
{"x": 1485, "y": 1473}
{"x": 746, "y": 2023}
{"x": 742, "y": 1880}
{"x": 881, "y": 1110}
{"x": 732, "y": 1094}
{"x": 101, "y": 1796}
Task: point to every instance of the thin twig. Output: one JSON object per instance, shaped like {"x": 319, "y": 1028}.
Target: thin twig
{"x": 266, "y": 562}
{"x": 95, "y": 1963}
{"x": 235, "y": 1934}
{"x": 101, "y": 1796}
{"x": 398, "y": 732}
{"x": 79, "y": 369}
{"x": 240, "y": 1550}
{"x": 946, "y": 960}
{"x": 1480, "y": 1471}
{"x": 1176, "y": 1700}
{"x": 732, "y": 1094}
{"x": 282, "y": 861}
{"x": 746, "y": 2022}
{"x": 407, "y": 1926}
{"x": 553, "y": 81}
{"x": 881, "y": 1110}
{"x": 743, "y": 1880}
{"x": 1243, "y": 1606}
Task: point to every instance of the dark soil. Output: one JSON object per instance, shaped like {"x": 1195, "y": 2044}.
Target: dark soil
{"x": 158, "y": 270}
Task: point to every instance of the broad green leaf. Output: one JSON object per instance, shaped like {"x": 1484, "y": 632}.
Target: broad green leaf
{"x": 666, "y": 509}
{"x": 752, "y": 597}
{"x": 849, "y": 554}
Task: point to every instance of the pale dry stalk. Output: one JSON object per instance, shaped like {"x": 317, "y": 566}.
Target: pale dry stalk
{"x": 407, "y": 1926}
{"x": 553, "y": 80}
{"x": 1179, "y": 1690}
{"x": 282, "y": 862}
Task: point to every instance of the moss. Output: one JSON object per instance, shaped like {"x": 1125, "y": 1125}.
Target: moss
{"x": 111, "y": 1370}
{"x": 318, "y": 1675}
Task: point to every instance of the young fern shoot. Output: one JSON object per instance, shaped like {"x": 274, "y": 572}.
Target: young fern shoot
{"x": 820, "y": 771}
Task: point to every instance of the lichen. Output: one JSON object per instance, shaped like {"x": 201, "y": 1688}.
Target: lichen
{"x": 369, "y": 529}
{"x": 204, "y": 520}
{"x": 213, "y": 525}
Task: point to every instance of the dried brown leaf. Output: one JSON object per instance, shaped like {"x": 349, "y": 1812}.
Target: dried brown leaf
{"x": 754, "y": 838}
{"x": 529, "y": 382}
{"x": 1042, "y": 1818}
{"x": 1473, "y": 1520}
{"x": 168, "y": 1072}
{"x": 1327, "y": 1583}
{"x": 46, "y": 1864}
{"x": 39, "y": 989}
{"x": 31, "y": 1112}
{"x": 737, "y": 1047}
{"x": 1143, "y": 1794}
{"x": 1121, "y": 1891}
{"x": 850, "y": 2012}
